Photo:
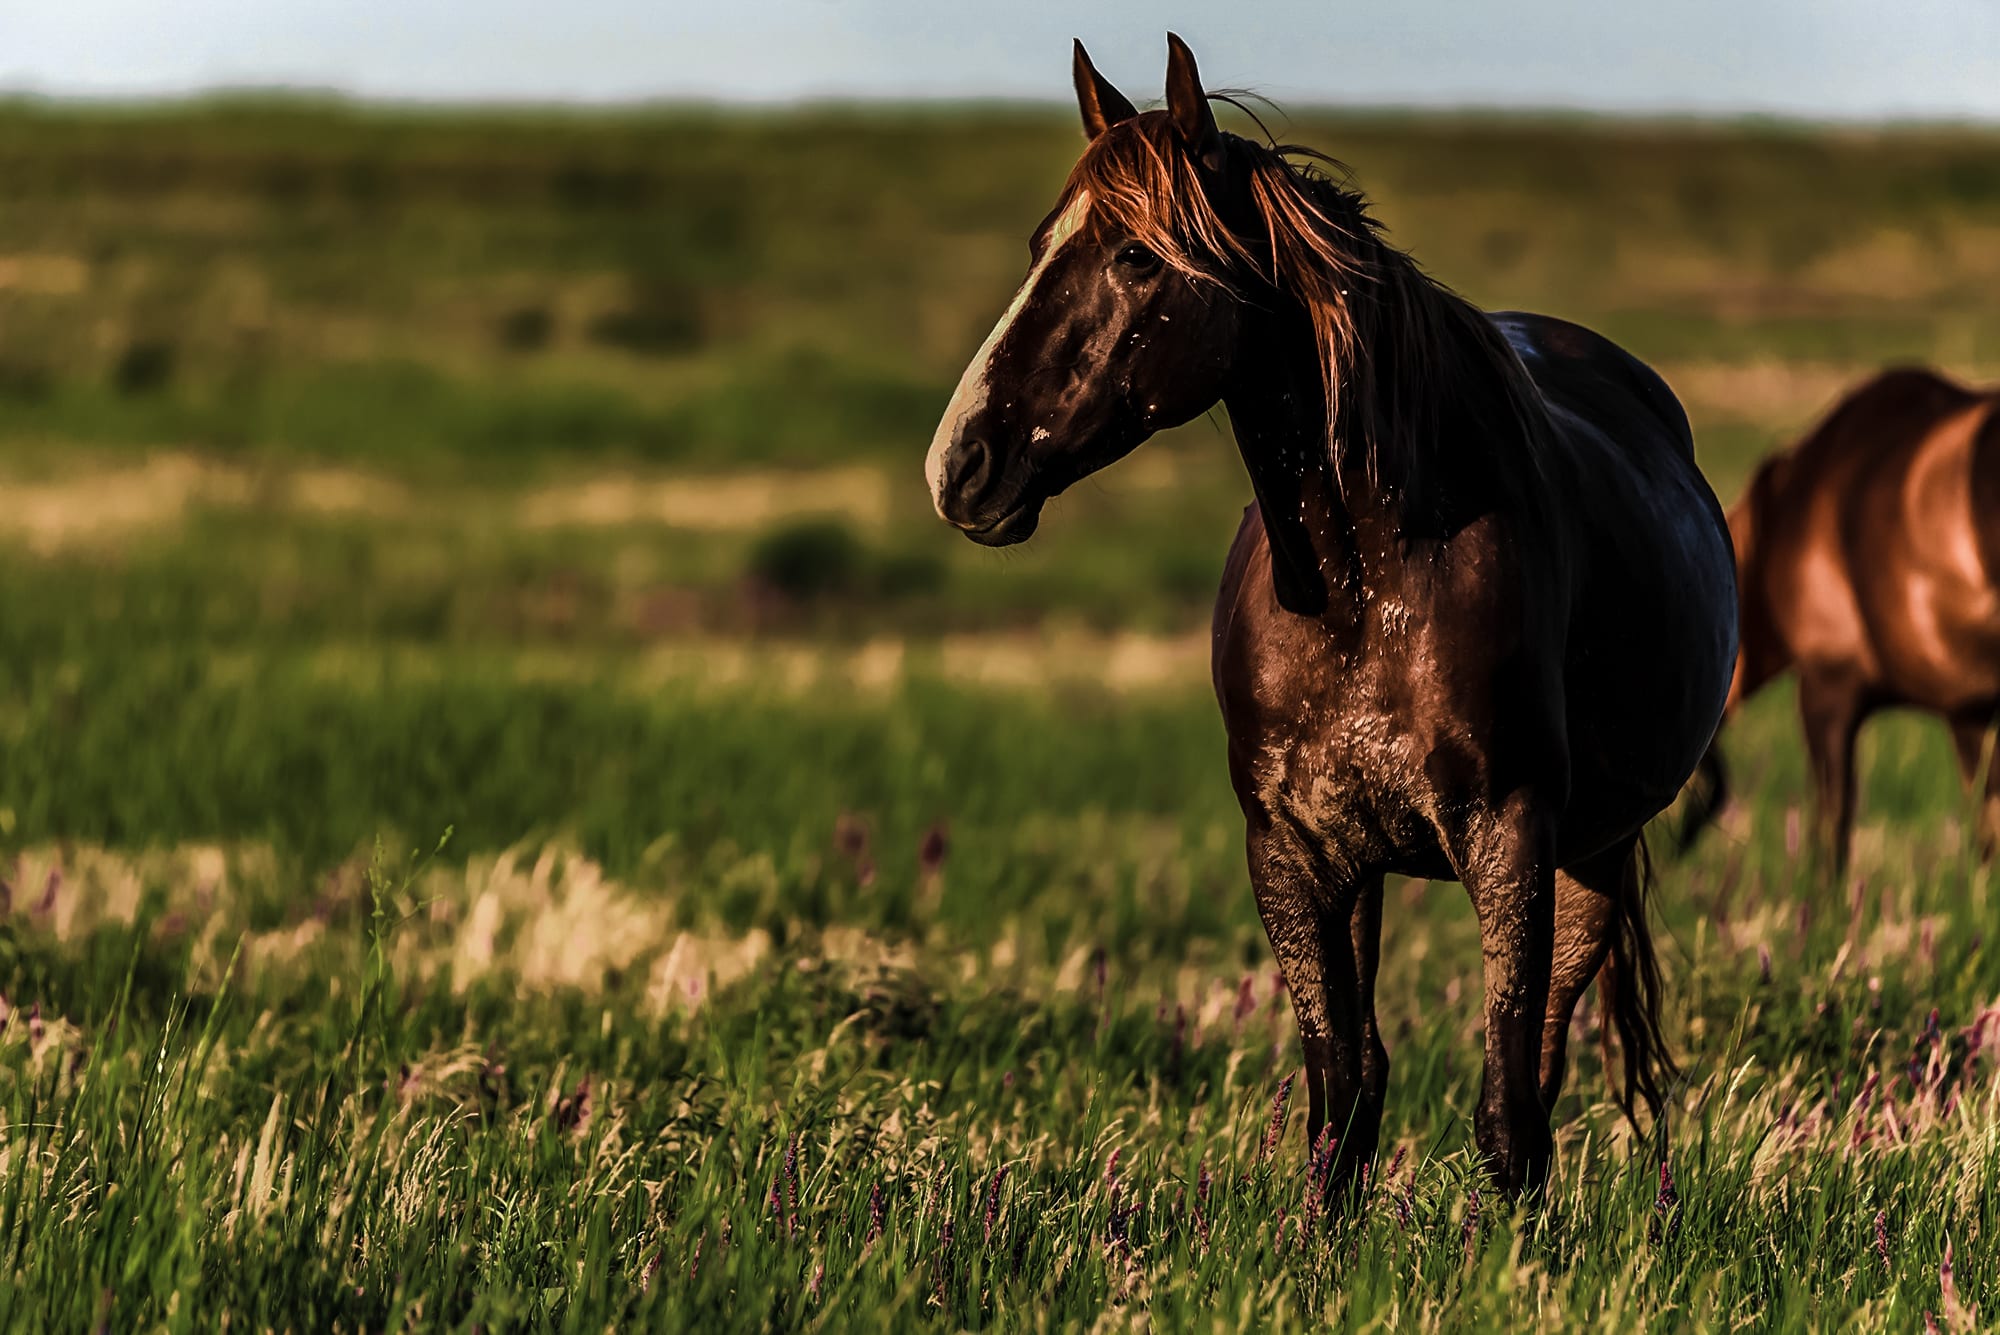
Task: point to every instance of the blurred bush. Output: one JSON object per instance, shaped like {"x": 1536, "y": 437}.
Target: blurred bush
{"x": 145, "y": 367}
{"x": 808, "y": 559}
{"x": 659, "y": 318}
{"x": 526, "y": 328}
{"x": 812, "y": 559}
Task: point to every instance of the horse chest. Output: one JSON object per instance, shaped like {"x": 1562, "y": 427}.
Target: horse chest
{"x": 1324, "y": 731}
{"x": 1344, "y": 774}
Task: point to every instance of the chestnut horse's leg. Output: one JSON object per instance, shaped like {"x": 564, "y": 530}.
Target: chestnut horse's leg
{"x": 1311, "y": 926}
{"x": 1971, "y": 735}
{"x": 1509, "y": 871}
{"x": 1831, "y": 707}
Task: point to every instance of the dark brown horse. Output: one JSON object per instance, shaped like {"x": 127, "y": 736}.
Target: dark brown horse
{"x": 1868, "y": 557}
{"x": 1478, "y": 625}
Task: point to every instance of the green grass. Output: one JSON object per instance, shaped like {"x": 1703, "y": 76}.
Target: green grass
{"x": 841, "y": 926}
{"x": 535, "y": 1089}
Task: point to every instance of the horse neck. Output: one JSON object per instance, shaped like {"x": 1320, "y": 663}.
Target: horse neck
{"x": 1329, "y": 497}
{"x": 1436, "y": 424}
{"x": 1277, "y": 408}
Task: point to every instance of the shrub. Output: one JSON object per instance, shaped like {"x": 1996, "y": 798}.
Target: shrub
{"x": 526, "y": 329}
{"x": 145, "y": 367}
{"x": 809, "y": 559}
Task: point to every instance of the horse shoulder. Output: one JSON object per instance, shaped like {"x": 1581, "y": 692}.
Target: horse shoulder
{"x": 1226, "y": 623}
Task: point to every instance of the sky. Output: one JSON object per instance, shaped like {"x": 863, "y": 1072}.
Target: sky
{"x": 1847, "y": 59}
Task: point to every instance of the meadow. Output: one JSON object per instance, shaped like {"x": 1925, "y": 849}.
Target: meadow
{"x": 515, "y": 815}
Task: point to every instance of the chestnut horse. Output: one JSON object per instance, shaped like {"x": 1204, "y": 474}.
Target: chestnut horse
{"x": 1478, "y": 625}
{"x": 1868, "y": 557}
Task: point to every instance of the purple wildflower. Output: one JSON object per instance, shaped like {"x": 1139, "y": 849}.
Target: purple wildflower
{"x": 993, "y": 1200}
{"x": 1320, "y": 1167}
{"x": 573, "y": 1109}
{"x": 1665, "y": 1202}
{"x": 1276, "y": 1129}
{"x": 878, "y": 1214}
{"x": 792, "y": 1185}
{"x": 850, "y": 835}
{"x": 932, "y": 851}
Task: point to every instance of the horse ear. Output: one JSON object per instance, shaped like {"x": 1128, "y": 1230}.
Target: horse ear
{"x": 1188, "y": 105}
{"x": 1102, "y": 105}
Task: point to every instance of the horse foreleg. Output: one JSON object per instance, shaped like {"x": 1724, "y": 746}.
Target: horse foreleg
{"x": 1365, "y": 932}
{"x": 1831, "y": 710}
{"x": 1508, "y": 868}
{"x": 1311, "y": 926}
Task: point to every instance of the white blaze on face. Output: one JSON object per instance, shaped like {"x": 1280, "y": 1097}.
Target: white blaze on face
{"x": 970, "y": 396}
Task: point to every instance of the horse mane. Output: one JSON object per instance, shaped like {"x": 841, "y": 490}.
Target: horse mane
{"x": 1399, "y": 352}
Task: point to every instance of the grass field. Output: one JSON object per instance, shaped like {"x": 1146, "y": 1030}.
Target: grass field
{"x": 513, "y": 814}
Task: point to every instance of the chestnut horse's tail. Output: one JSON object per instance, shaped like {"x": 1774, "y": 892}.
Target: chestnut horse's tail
{"x": 1632, "y": 995}
{"x": 1706, "y": 794}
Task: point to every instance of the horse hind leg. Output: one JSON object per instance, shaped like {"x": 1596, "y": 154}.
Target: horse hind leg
{"x": 1586, "y": 907}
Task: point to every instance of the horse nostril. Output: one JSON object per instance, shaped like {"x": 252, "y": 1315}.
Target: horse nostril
{"x": 969, "y": 467}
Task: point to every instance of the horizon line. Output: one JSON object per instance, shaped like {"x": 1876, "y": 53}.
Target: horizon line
{"x": 303, "y": 94}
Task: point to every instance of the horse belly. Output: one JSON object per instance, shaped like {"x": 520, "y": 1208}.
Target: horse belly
{"x": 1649, "y": 667}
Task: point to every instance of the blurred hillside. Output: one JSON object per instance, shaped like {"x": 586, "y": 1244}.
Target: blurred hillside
{"x": 408, "y": 288}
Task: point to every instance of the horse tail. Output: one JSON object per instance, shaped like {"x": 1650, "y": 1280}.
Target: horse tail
{"x": 1704, "y": 797}
{"x": 1630, "y": 984}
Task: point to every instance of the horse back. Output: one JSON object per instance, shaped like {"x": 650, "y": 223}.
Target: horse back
{"x": 1868, "y": 551}
{"x": 1593, "y": 376}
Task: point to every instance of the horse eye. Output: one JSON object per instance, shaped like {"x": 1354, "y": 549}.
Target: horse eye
{"x": 1138, "y": 258}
